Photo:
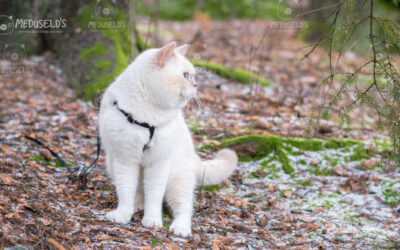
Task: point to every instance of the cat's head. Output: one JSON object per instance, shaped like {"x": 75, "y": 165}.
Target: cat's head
{"x": 168, "y": 76}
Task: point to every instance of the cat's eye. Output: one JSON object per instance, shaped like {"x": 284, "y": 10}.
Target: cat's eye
{"x": 186, "y": 75}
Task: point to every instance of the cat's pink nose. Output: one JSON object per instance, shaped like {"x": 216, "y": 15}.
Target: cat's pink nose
{"x": 194, "y": 84}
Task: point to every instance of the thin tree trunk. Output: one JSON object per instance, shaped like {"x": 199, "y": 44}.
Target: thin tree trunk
{"x": 132, "y": 26}
{"x": 156, "y": 24}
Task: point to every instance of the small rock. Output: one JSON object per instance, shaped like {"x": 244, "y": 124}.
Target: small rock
{"x": 46, "y": 154}
{"x": 324, "y": 129}
{"x": 262, "y": 124}
{"x": 262, "y": 222}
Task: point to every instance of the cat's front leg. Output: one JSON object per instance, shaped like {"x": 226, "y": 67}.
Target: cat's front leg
{"x": 155, "y": 177}
{"x": 126, "y": 175}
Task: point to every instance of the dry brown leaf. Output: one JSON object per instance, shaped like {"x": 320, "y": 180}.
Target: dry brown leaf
{"x": 301, "y": 240}
{"x": 6, "y": 179}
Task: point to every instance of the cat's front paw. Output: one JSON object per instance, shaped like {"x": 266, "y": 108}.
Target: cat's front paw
{"x": 179, "y": 228}
{"x": 119, "y": 216}
{"x": 151, "y": 222}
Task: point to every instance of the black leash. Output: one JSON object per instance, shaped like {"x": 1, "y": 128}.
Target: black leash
{"x": 82, "y": 171}
{"x": 130, "y": 119}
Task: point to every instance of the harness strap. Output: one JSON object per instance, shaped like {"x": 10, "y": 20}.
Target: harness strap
{"x": 82, "y": 171}
{"x": 130, "y": 119}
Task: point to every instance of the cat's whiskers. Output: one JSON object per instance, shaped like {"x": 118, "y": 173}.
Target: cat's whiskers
{"x": 197, "y": 102}
{"x": 193, "y": 103}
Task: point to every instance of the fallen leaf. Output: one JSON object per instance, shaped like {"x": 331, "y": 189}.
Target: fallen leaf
{"x": 288, "y": 193}
{"x": 341, "y": 171}
{"x": 271, "y": 188}
{"x": 6, "y": 179}
{"x": 46, "y": 222}
{"x": 301, "y": 240}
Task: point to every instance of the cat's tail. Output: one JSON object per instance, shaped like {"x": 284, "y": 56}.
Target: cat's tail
{"x": 214, "y": 171}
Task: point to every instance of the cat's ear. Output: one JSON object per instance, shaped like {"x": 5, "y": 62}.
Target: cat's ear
{"x": 165, "y": 53}
{"x": 182, "y": 49}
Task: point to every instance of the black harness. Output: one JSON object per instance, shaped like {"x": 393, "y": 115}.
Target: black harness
{"x": 84, "y": 171}
{"x": 130, "y": 119}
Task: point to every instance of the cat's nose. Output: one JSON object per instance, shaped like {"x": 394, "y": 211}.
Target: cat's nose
{"x": 195, "y": 84}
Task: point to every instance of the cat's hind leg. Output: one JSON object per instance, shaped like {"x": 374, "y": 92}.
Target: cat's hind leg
{"x": 179, "y": 197}
{"x": 155, "y": 178}
{"x": 109, "y": 168}
{"x": 139, "y": 198}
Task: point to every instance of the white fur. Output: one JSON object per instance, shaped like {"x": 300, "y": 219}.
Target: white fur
{"x": 153, "y": 89}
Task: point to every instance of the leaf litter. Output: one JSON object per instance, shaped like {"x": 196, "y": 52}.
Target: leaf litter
{"x": 329, "y": 201}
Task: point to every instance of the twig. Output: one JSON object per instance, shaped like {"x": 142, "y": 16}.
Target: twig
{"x": 331, "y": 76}
{"x": 55, "y": 244}
{"x": 371, "y": 37}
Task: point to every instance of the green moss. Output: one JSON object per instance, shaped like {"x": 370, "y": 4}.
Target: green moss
{"x": 268, "y": 168}
{"x": 391, "y": 192}
{"x": 121, "y": 62}
{"x": 194, "y": 125}
{"x": 286, "y": 166}
{"x": 255, "y": 147}
{"x": 207, "y": 148}
{"x": 302, "y": 162}
{"x": 156, "y": 242}
{"x": 37, "y": 158}
{"x": 264, "y": 145}
{"x": 118, "y": 34}
{"x": 236, "y": 74}
{"x": 212, "y": 188}
{"x": 331, "y": 159}
{"x": 95, "y": 50}
{"x": 316, "y": 170}
{"x": 383, "y": 145}
{"x": 327, "y": 204}
{"x": 360, "y": 154}
{"x": 59, "y": 165}
{"x": 306, "y": 145}
{"x": 304, "y": 183}
{"x": 103, "y": 64}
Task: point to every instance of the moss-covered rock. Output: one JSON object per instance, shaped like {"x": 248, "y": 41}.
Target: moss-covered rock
{"x": 108, "y": 53}
{"x": 236, "y": 74}
{"x": 256, "y": 147}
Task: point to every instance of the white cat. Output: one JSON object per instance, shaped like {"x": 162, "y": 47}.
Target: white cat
{"x": 153, "y": 90}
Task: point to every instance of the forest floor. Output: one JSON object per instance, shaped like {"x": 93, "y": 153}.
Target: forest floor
{"x": 332, "y": 200}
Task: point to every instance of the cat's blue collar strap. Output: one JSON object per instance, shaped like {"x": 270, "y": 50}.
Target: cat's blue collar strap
{"x": 131, "y": 120}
